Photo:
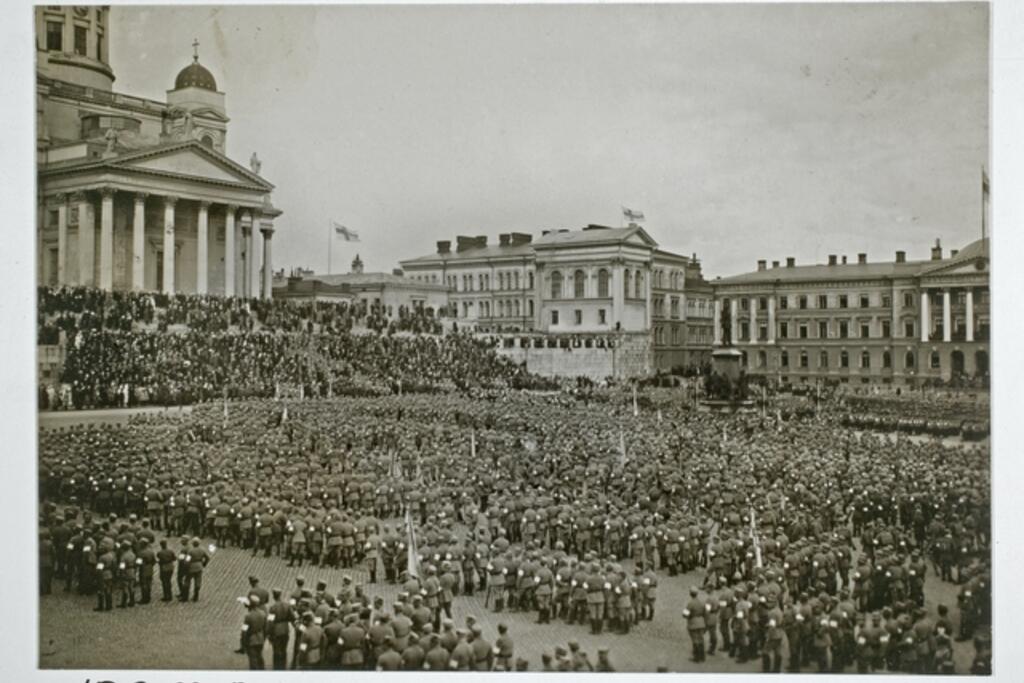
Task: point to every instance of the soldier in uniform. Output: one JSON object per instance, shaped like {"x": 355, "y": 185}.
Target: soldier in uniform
{"x": 695, "y": 623}
{"x": 279, "y": 619}
{"x": 504, "y": 649}
{"x": 165, "y": 557}
{"x": 310, "y": 644}
{"x": 371, "y": 550}
{"x": 183, "y": 564}
{"x": 254, "y": 632}
{"x": 105, "y": 566}
{"x": 198, "y": 558}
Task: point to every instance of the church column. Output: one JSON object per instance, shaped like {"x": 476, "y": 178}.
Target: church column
{"x": 648, "y": 303}
{"x": 253, "y": 274}
{"x": 969, "y": 313}
{"x": 202, "y": 247}
{"x": 618, "y": 294}
{"x": 246, "y": 254}
{"x": 771, "y": 319}
{"x": 267, "y": 230}
{"x": 62, "y": 239}
{"x": 718, "y": 322}
{"x": 229, "y": 250}
{"x": 947, "y": 322}
{"x": 168, "y": 283}
{"x": 107, "y": 238}
{"x": 86, "y": 240}
{"x": 925, "y": 317}
{"x": 139, "y": 242}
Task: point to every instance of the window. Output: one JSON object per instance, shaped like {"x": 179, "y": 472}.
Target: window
{"x": 578, "y": 315}
{"x": 529, "y": 307}
{"x": 802, "y": 301}
{"x": 865, "y": 301}
{"x": 865, "y": 359}
{"x": 804, "y": 360}
{"x": 822, "y": 329}
{"x": 554, "y": 317}
{"x": 865, "y": 330}
{"x": 844, "y": 329}
{"x": 625, "y": 285}
{"x": 579, "y": 284}
{"x": 886, "y": 328}
{"x": 55, "y": 35}
{"x": 517, "y": 308}
{"x": 908, "y": 299}
{"x": 556, "y": 285}
{"x": 886, "y": 359}
{"x": 515, "y": 280}
{"x": 602, "y": 317}
{"x": 207, "y": 142}
{"x": 99, "y": 45}
{"x": 886, "y": 301}
{"x": 762, "y": 304}
{"x": 936, "y": 362}
{"x": 744, "y": 304}
{"x": 803, "y": 331}
{"x": 529, "y": 280}
{"x": 783, "y": 302}
{"x": 602, "y": 283}
{"x": 762, "y": 332}
{"x": 823, "y": 301}
{"x": 784, "y": 359}
{"x": 823, "y": 359}
{"x": 638, "y": 285}
{"x": 908, "y": 360}
{"x": 844, "y": 359}
{"x": 674, "y": 307}
{"x": 843, "y": 302}
{"x": 81, "y": 39}
{"x": 784, "y": 330}
{"x": 908, "y": 328}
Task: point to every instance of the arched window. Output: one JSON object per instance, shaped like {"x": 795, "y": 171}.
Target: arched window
{"x": 556, "y": 285}
{"x": 579, "y": 284}
{"x": 529, "y": 279}
{"x": 516, "y": 279}
{"x": 886, "y": 359}
{"x": 908, "y": 360}
{"x": 602, "y": 283}
{"x": 207, "y": 141}
{"x": 638, "y": 284}
{"x": 865, "y": 359}
{"x": 625, "y": 284}
{"x": 936, "y": 362}
{"x": 501, "y": 280}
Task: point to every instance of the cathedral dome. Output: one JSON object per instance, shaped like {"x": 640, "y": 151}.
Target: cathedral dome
{"x": 195, "y": 75}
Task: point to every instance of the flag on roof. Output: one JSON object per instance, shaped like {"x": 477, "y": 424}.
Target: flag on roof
{"x": 348, "y": 234}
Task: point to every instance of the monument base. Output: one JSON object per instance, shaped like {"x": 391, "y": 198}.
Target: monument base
{"x": 727, "y": 361}
{"x": 726, "y": 406}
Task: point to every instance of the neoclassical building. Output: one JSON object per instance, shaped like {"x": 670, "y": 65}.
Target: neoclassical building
{"x": 138, "y": 194}
{"x": 898, "y": 321}
{"x": 591, "y": 291}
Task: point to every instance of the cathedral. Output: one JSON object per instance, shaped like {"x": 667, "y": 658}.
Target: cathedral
{"x": 138, "y": 194}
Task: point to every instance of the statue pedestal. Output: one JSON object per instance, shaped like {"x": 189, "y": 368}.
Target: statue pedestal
{"x": 727, "y": 361}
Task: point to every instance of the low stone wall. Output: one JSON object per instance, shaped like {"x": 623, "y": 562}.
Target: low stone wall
{"x": 597, "y": 357}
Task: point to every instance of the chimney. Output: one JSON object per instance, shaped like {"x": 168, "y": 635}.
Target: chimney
{"x": 444, "y": 246}
{"x": 519, "y": 238}
{"x": 862, "y": 259}
{"x": 398, "y": 272}
{"x": 503, "y": 239}
{"x": 761, "y": 264}
{"x": 901, "y": 257}
{"x": 775, "y": 264}
{"x": 937, "y": 250}
{"x": 953, "y": 252}
{"x": 844, "y": 259}
{"x": 832, "y": 259}
{"x": 790, "y": 261}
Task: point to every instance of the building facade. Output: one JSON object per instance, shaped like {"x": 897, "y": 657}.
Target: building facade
{"x": 608, "y": 293}
{"x": 895, "y": 322}
{"x": 138, "y": 194}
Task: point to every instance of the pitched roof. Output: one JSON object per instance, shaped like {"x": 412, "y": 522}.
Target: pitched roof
{"x": 592, "y": 235}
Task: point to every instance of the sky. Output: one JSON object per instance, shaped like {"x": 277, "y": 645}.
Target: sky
{"x": 743, "y": 132}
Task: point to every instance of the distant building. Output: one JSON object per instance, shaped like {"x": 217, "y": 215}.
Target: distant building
{"x": 138, "y": 194}
{"x": 862, "y": 322}
{"x": 625, "y": 307}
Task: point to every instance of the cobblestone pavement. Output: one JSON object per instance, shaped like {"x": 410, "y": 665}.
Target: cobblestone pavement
{"x": 203, "y": 635}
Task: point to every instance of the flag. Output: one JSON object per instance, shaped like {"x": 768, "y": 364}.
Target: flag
{"x": 632, "y": 215}
{"x": 348, "y": 234}
{"x": 413, "y": 566}
{"x": 984, "y": 182}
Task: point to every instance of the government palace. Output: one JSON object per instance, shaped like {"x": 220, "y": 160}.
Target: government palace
{"x": 138, "y": 194}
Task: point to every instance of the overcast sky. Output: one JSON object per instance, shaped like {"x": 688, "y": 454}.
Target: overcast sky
{"x": 741, "y": 131}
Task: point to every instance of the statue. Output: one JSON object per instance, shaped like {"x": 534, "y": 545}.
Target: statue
{"x": 111, "y": 137}
{"x": 726, "y": 324}
{"x": 188, "y": 124}
{"x": 255, "y": 164}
